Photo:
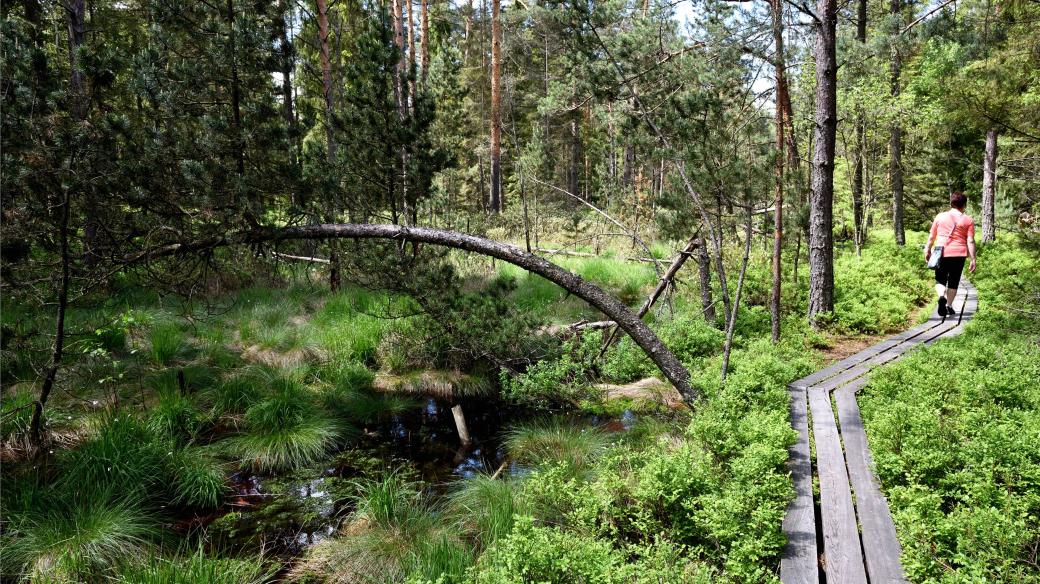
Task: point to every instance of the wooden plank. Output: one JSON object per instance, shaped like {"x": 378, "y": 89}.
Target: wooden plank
{"x": 799, "y": 563}
{"x": 844, "y": 365}
{"x": 881, "y": 548}
{"x": 843, "y": 558}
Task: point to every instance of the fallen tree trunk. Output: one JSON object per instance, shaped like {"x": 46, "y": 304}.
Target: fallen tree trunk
{"x": 606, "y": 303}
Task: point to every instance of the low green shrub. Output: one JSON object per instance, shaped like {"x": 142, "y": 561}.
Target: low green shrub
{"x": 554, "y": 382}
{"x": 877, "y": 293}
{"x": 952, "y": 429}
{"x": 688, "y": 335}
{"x": 719, "y": 490}
{"x": 533, "y": 553}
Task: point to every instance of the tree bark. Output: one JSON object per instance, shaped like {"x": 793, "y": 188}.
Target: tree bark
{"x": 821, "y": 203}
{"x": 704, "y": 265}
{"x": 496, "y": 107}
{"x": 75, "y": 13}
{"x": 778, "y": 197}
{"x": 613, "y": 308}
{"x": 989, "y": 187}
{"x": 326, "y": 78}
{"x": 858, "y": 159}
{"x": 401, "y": 101}
{"x": 51, "y": 374}
{"x": 424, "y": 62}
{"x": 286, "y": 62}
{"x": 731, "y": 321}
{"x": 573, "y": 174}
{"x": 236, "y": 91}
{"x": 895, "y": 143}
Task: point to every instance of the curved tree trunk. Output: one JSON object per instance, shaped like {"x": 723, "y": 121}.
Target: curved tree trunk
{"x": 606, "y": 303}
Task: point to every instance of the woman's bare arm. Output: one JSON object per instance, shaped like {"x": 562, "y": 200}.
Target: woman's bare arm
{"x": 931, "y": 241}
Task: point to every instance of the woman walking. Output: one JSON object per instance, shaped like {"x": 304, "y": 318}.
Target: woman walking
{"x": 957, "y": 231}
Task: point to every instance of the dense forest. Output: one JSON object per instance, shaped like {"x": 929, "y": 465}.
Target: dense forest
{"x": 441, "y": 292}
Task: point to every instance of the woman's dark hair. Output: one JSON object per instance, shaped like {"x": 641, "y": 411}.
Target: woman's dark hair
{"x": 958, "y": 200}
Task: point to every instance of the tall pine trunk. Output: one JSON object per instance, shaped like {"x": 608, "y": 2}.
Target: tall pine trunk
{"x": 411, "y": 48}
{"x": 778, "y": 197}
{"x": 989, "y": 187}
{"x": 236, "y": 91}
{"x": 496, "y": 107}
{"x": 895, "y": 143}
{"x": 330, "y": 140}
{"x": 858, "y": 158}
{"x": 75, "y": 13}
{"x": 286, "y": 63}
{"x": 573, "y": 172}
{"x": 401, "y": 103}
{"x": 821, "y": 202}
{"x": 424, "y": 61}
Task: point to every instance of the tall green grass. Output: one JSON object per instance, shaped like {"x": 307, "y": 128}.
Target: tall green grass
{"x": 485, "y": 508}
{"x": 394, "y": 532}
{"x": 556, "y": 440}
{"x": 166, "y": 342}
{"x": 62, "y": 541}
{"x": 197, "y": 568}
{"x": 286, "y": 430}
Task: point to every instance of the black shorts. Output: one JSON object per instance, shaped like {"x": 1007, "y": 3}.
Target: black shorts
{"x": 949, "y": 272}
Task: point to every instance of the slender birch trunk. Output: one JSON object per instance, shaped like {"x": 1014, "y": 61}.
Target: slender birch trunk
{"x": 989, "y": 187}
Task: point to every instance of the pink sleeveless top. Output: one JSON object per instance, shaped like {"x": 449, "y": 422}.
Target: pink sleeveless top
{"x": 957, "y": 246}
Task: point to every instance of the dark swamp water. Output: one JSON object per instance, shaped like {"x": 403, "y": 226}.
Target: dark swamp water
{"x": 281, "y": 515}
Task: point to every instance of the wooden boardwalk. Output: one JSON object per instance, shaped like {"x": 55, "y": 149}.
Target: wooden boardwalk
{"x": 846, "y": 534}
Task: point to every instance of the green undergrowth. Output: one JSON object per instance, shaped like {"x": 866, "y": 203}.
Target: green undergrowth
{"x": 953, "y": 431}
{"x": 876, "y": 292}
{"x": 675, "y": 503}
{"x": 168, "y": 398}
{"x": 692, "y": 499}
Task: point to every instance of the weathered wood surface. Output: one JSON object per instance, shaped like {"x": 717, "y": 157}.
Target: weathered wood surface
{"x": 799, "y": 565}
{"x": 855, "y": 524}
{"x": 842, "y": 556}
{"x": 880, "y": 547}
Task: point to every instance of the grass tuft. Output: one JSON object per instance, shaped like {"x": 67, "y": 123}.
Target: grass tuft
{"x": 167, "y": 342}
{"x": 197, "y": 568}
{"x": 75, "y": 542}
{"x": 556, "y": 440}
{"x": 285, "y": 431}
